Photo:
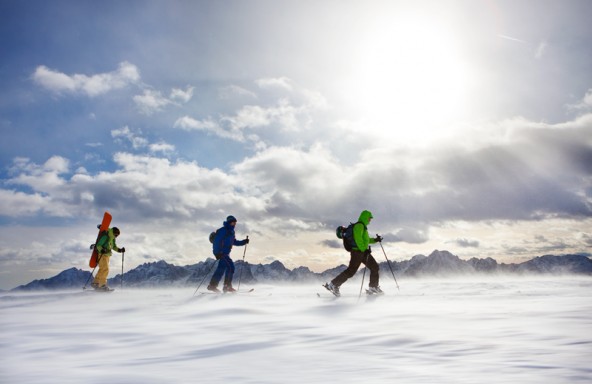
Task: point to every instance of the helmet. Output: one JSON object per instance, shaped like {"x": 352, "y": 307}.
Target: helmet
{"x": 115, "y": 231}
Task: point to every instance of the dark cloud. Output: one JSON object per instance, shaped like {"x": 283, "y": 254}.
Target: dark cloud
{"x": 466, "y": 243}
{"x": 336, "y": 244}
{"x": 408, "y": 235}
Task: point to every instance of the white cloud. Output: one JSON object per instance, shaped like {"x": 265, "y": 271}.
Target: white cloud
{"x": 151, "y": 101}
{"x": 275, "y": 82}
{"x": 20, "y": 204}
{"x": 231, "y": 91}
{"x": 541, "y": 49}
{"x": 91, "y": 86}
{"x": 182, "y": 95}
{"x": 188, "y": 123}
{"x": 161, "y": 147}
{"x": 134, "y": 138}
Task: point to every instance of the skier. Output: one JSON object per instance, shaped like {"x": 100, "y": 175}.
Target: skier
{"x": 104, "y": 246}
{"x": 360, "y": 253}
{"x": 222, "y": 246}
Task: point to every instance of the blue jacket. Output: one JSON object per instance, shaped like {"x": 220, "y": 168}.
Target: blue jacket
{"x": 225, "y": 239}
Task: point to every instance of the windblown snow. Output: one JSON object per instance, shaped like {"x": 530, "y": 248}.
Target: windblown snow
{"x": 518, "y": 330}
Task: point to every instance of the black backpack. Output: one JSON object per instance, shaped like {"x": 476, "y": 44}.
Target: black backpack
{"x": 347, "y": 235}
{"x": 213, "y": 236}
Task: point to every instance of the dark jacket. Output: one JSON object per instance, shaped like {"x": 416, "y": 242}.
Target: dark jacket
{"x": 224, "y": 240}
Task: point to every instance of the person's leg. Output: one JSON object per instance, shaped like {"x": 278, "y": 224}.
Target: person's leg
{"x": 229, "y": 270}
{"x": 354, "y": 263}
{"x": 218, "y": 273}
{"x": 101, "y": 278}
{"x": 372, "y": 265}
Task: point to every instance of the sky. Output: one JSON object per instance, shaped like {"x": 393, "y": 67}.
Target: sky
{"x": 461, "y": 125}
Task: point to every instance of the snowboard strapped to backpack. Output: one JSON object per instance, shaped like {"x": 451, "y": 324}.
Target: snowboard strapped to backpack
{"x": 347, "y": 235}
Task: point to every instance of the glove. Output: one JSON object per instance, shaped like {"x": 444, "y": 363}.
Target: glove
{"x": 218, "y": 256}
{"x": 121, "y": 250}
{"x": 247, "y": 241}
{"x": 378, "y": 238}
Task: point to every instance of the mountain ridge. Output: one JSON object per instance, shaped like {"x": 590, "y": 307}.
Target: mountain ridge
{"x": 437, "y": 264}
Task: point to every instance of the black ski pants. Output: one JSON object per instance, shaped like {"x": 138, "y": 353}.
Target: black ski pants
{"x": 356, "y": 259}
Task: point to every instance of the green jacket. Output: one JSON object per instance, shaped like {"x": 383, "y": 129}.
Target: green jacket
{"x": 107, "y": 243}
{"x": 361, "y": 237}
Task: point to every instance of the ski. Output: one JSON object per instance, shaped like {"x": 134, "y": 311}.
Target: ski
{"x": 98, "y": 290}
{"x": 370, "y": 293}
{"x": 227, "y": 293}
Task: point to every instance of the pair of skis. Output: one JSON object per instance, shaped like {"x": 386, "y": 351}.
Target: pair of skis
{"x": 336, "y": 294}
{"x": 227, "y": 293}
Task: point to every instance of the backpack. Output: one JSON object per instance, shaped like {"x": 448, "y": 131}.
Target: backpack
{"x": 347, "y": 234}
{"x": 213, "y": 236}
{"x": 217, "y": 246}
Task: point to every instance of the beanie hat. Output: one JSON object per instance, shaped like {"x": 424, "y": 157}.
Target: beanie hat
{"x": 231, "y": 219}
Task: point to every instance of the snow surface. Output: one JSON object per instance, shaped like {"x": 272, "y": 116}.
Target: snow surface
{"x": 512, "y": 330}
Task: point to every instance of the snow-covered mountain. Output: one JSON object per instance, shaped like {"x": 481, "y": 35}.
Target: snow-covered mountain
{"x": 437, "y": 264}
{"x": 70, "y": 278}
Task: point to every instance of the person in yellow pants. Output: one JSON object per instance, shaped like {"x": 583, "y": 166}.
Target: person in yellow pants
{"x": 104, "y": 247}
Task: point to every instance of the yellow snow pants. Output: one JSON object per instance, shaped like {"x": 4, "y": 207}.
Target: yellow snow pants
{"x": 101, "y": 277}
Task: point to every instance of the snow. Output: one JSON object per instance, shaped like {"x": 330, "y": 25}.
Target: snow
{"x": 491, "y": 330}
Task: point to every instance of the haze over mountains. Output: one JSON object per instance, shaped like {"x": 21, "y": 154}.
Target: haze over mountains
{"x": 438, "y": 264}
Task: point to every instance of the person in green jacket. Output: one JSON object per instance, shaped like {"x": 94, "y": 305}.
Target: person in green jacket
{"x": 104, "y": 247}
{"x": 360, "y": 253}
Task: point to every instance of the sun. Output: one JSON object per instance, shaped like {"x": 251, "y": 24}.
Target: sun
{"x": 409, "y": 80}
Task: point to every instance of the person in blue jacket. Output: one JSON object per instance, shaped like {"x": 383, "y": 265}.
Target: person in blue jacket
{"x": 222, "y": 246}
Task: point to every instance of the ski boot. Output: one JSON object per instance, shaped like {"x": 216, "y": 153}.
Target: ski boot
{"x": 334, "y": 289}
{"x": 374, "y": 291}
{"x": 228, "y": 289}
{"x": 103, "y": 288}
{"x": 213, "y": 288}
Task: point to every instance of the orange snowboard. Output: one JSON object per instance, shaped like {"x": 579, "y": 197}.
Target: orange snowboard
{"x": 103, "y": 227}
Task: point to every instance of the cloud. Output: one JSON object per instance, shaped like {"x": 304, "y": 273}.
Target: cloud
{"x": 466, "y": 243}
{"x": 505, "y": 37}
{"x": 151, "y": 101}
{"x": 408, "y": 235}
{"x": 537, "y": 171}
{"x": 585, "y": 104}
{"x": 335, "y": 244}
{"x": 20, "y": 204}
{"x": 91, "y": 86}
{"x": 541, "y": 49}
{"x": 134, "y": 138}
{"x": 182, "y": 95}
{"x": 161, "y": 147}
{"x": 208, "y": 125}
{"x": 231, "y": 91}
{"x": 275, "y": 82}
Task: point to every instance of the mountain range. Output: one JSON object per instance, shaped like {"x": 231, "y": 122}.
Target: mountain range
{"x": 437, "y": 264}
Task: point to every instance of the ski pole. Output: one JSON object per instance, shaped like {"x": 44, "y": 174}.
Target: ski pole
{"x": 242, "y": 266}
{"x": 204, "y": 279}
{"x": 363, "y": 276}
{"x": 122, "y": 258}
{"x": 92, "y": 272}
{"x": 389, "y": 264}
